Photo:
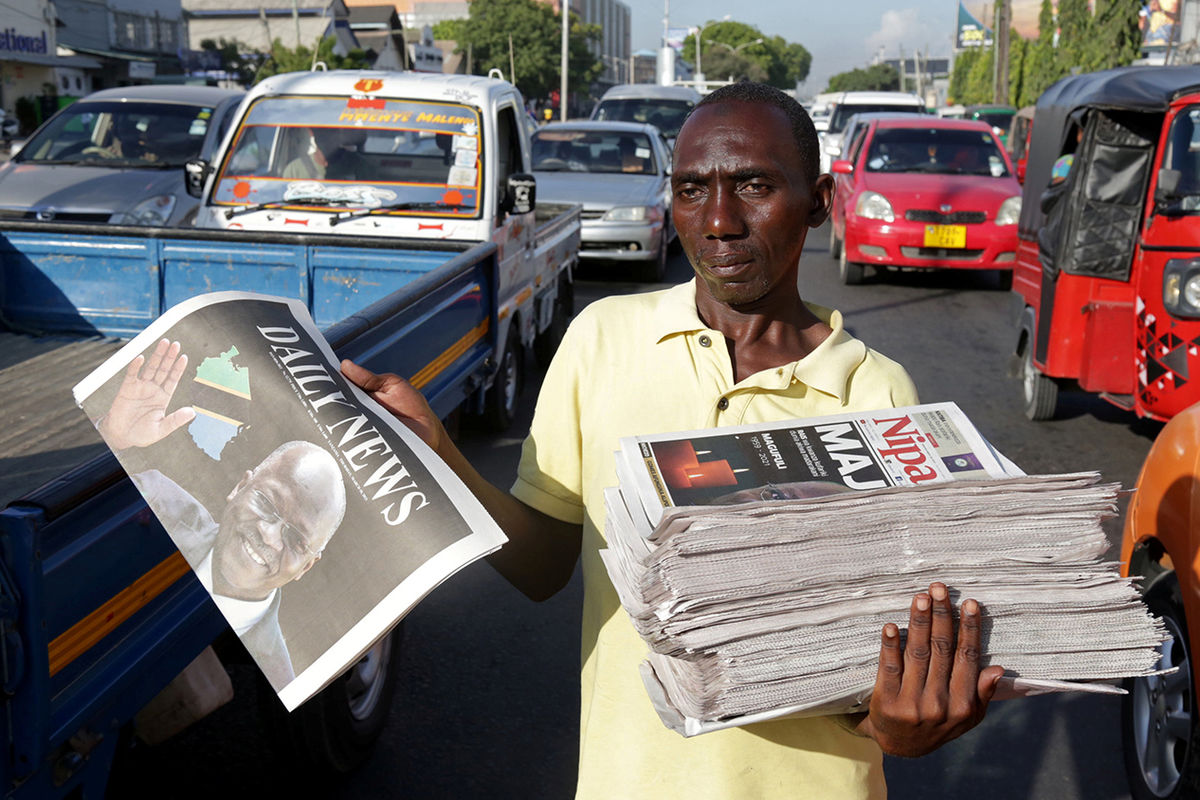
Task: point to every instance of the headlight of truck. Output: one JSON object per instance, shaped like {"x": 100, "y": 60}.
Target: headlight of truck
{"x": 873, "y": 205}
{"x": 1010, "y": 211}
{"x": 151, "y": 211}
{"x": 1181, "y": 287}
{"x": 632, "y": 214}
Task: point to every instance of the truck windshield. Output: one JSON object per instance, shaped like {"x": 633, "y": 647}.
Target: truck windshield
{"x": 120, "y": 134}
{"x": 844, "y": 111}
{"x": 338, "y": 153}
{"x": 1183, "y": 154}
{"x": 935, "y": 150}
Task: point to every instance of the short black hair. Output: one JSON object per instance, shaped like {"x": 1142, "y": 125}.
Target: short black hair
{"x": 803, "y": 131}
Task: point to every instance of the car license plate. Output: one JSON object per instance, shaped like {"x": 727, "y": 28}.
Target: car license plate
{"x": 945, "y": 236}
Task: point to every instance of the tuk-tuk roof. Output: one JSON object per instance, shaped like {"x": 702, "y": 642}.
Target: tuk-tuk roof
{"x": 1140, "y": 89}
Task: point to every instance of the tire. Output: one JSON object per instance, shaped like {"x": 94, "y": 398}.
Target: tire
{"x": 835, "y": 244}
{"x": 1040, "y": 393}
{"x": 500, "y": 403}
{"x": 336, "y": 730}
{"x": 1158, "y": 715}
{"x": 546, "y": 343}
{"x": 851, "y": 274}
{"x": 654, "y": 271}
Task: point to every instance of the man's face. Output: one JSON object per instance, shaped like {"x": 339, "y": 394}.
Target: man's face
{"x": 742, "y": 202}
{"x": 275, "y": 524}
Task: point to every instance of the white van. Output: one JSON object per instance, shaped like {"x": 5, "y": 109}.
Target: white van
{"x": 664, "y": 107}
{"x": 847, "y": 104}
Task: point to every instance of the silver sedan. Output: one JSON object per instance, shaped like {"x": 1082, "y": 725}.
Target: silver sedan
{"x": 620, "y": 172}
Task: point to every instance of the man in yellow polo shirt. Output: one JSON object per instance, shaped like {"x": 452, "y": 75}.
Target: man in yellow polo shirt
{"x": 736, "y": 345}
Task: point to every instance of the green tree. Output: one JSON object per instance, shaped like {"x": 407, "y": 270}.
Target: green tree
{"x": 1118, "y": 37}
{"x": 979, "y": 79}
{"x": 1041, "y": 66}
{"x": 963, "y": 63}
{"x": 1076, "y": 45}
{"x": 781, "y": 64}
{"x": 536, "y": 32}
{"x": 876, "y": 78}
{"x": 300, "y": 58}
{"x": 1018, "y": 49}
{"x": 238, "y": 63}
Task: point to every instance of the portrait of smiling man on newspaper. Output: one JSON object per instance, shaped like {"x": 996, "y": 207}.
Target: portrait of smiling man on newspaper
{"x": 276, "y": 522}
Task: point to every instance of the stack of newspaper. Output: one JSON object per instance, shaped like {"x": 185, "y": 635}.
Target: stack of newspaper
{"x": 760, "y": 579}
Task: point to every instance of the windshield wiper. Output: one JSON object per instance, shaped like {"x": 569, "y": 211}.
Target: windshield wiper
{"x": 294, "y": 201}
{"x": 409, "y": 206}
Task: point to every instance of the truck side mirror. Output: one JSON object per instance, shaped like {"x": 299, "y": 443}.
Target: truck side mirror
{"x": 195, "y": 173}
{"x": 521, "y": 196}
{"x": 1167, "y": 186}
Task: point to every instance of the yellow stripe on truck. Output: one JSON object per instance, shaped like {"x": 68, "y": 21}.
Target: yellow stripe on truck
{"x": 431, "y": 370}
{"x": 83, "y": 635}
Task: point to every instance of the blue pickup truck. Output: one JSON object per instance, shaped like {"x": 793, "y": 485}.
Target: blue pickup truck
{"x": 100, "y": 618}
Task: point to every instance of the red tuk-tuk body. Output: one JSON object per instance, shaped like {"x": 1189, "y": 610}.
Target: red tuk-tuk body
{"x": 1108, "y": 259}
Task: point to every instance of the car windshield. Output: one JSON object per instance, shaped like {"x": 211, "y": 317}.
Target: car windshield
{"x": 844, "y": 111}
{"x": 366, "y": 153}
{"x": 935, "y": 150}
{"x": 556, "y": 150}
{"x": 666, "y": 115}
{"x": 1183, "y": 154}
{"x": 129, "y": 134}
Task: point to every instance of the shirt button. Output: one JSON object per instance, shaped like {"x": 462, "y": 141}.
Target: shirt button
{"x": 705, "y": 341}
{"x": 723, "y": 403}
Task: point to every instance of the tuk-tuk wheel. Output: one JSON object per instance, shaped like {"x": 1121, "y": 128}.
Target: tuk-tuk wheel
{"x": 852, "y": 274}
{"x": 835, "y": 244}
{"x": 1041, "y": 393}
{"x": 1158, "y": 715}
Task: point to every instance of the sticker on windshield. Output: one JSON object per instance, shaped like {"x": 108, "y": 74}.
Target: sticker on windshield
{"x": 466, "y": 143}
{"x": 464, "y": 158}
{"x": 461, "y": 176}
{"x": 642, "y": 152}
{"x": 314, "y": 191}
{"x": 470, "y": 128}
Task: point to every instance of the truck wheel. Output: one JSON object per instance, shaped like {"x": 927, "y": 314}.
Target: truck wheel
{"x": 654, "y": 271}
{"x": 1158, "y": 715}
{"x": 835, "y": 244}
{"x": 1041, "y": 393}
{"x": 502, "y": 398}
{"x": 851, "y": 274}
{"x": 336, "y": 730}
{"x": 546, "y": 343}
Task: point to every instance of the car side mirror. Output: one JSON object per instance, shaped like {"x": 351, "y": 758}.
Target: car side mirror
{"x": 521, "y": 194}
{"x": 841, "y": 167}
{"x": 1167, "y": 186}
{"x": 195, "y": 173}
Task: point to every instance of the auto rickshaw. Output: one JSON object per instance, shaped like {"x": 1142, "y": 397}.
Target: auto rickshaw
{"x": 1017, "y": 142}
{"x": 1107, "y": 274}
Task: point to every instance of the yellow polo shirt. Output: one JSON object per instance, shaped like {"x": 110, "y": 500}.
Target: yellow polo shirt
{"x": 641, "y": 364}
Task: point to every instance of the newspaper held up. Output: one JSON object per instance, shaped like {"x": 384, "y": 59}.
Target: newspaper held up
{"x": 314, "y": 518}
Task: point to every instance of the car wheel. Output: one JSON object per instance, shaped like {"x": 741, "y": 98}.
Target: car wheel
{"x": 336, "y": 729}
{"x": 852, "y": 274}
{"x": 501, "y": 399}
{"x": 835, "y": 244}
{"x": 546, "y": 342}
{"x": 1158, "y": 715}
{"x": 1040, "y": 392}
{"x": 654, "y": 271}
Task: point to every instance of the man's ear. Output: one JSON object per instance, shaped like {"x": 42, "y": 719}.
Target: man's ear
{"x": 822, "y": 200}
{"x": 246, "y": 476}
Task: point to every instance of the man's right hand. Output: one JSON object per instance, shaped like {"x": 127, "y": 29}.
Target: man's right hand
{"x": 402, "y": 399}
{"x": 138, "y": 416}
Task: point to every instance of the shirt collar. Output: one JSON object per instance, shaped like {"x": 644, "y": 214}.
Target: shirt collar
{"x": 240, "y": 614}
{"x": 827, "y": 368}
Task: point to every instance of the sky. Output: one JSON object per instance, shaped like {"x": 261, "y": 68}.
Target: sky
{"x": 840, "y": 36}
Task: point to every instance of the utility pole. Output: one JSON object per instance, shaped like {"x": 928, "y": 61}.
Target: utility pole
{"x": 903, "y": 70}
{"x": 1000, "y": 54}
{"x": 562, "y": 91}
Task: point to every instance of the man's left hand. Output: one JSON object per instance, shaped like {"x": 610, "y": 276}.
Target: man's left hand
{"x": 930, "y": 690}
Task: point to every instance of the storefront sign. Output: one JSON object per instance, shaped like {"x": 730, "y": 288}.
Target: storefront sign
{"x": 15, "y": 42}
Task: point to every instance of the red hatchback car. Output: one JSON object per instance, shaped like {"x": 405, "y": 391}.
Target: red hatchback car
{"x": 925, "y": 192}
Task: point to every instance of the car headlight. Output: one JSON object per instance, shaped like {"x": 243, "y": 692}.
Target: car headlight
{"x": 1010, "y": 211}
{"x": 1181, "y": 287}
{"x": 151, "y": 211}
{"x": 833, "y": 148}
{"x": 632, "y": 214}
{"x": 873, "y": 205}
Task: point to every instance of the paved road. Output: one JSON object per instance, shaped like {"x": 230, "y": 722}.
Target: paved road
{"x": 488, "y": 701}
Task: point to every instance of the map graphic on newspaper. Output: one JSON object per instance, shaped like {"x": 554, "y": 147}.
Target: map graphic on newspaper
{"x": 314, "y": 518}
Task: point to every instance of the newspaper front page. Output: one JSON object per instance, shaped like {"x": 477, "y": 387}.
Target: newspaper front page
{"x": 912, "y": 446}
{"x": 314, "y": 518}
